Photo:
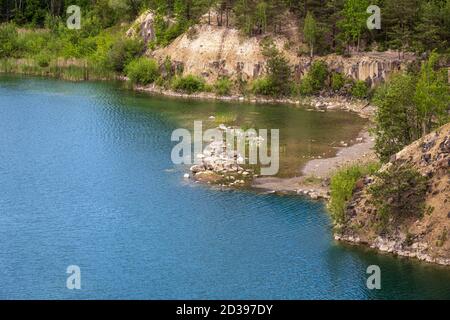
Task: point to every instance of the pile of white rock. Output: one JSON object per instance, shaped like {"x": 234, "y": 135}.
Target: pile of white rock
{"x": 220, "y": 163}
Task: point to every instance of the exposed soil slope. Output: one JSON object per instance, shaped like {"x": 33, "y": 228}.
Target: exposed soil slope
{"x": 212, "y": 51}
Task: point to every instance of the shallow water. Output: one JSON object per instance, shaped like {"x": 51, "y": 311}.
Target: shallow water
{"x": 86, "y": 179}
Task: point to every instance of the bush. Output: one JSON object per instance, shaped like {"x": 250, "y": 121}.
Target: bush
{"x": 142, "y": 71}
{"x": 32, "y": 43}
{"x": 306, "y": 87}
{"x": 360, "y": 90}
{"x": 337, "y": 81}
{"x": 342, "y": 185}
{"x": 123, "y": 51}
{"x": 262, "y": 86}
{"x": 189, "y": 84}
{"x": 8, "y": 41}
{"x": 223, "y": 86}
{"x": 318, "y": 75}
{"x": 315, "y": 80}
{"x": 399, "y": 192}
{"x": 43, "y": 60}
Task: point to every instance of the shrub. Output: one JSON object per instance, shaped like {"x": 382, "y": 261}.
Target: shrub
{"x": 123, "y": 51}
{"x": 315, "y": 80}
{"x": 189, "y": 84}
{"x": 223, "y": 86}
{"x": 342, "y": 185}
{"x": 360, "y": 90}
{"x": 8, "y": 41}
{"x": 262, "y": 86}
{"x": 399, "y": 192}
{"x": 318, "y": 75}
{"x": 142, "y": 71}
{"x": 306, "y": 87}
{"x": 337, "y": 81}
{"x": 43, "y": 60}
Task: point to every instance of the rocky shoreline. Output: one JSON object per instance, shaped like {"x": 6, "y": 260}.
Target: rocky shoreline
{"x": 313, "y": 103}
{"x": 395, "y": 247}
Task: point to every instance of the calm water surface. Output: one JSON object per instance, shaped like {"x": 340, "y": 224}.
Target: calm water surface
{"x": 86, "y": 179}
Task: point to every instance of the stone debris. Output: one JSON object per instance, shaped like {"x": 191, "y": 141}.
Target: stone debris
{"x": 219, "y": 164}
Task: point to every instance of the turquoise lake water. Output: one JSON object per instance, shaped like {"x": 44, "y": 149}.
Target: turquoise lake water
{"x": 86, "y": 179}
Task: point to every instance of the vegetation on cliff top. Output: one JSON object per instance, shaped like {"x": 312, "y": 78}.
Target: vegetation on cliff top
{"x": 35, "y": 30}
{"x": 410, "y": 106}
{"x": 329, "y": 25}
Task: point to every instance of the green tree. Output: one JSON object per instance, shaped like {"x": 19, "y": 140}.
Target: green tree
{"x": 261, "y": 17}
{"x": 396, "y": 118}
{"x": 399, "y": 19}
{"x": 123, "y": 51}
{"x": 354, "y": 21}
{"x": 432, "y": 95}
{"x": 310, "y": 31}
{"x": 279, "y": 71}
{"x": 432, "y": 30}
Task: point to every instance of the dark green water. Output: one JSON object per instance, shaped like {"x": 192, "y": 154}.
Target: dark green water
{"x": 86, "y": 179}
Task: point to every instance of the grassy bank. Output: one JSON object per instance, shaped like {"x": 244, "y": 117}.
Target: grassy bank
{"x": 66, "y": 69}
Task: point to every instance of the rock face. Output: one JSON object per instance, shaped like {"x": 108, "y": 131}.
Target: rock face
{"x": 143, "y": 27}
{"x": 211, "y": 50}
{"x": 372, "y": 67}
{"x": 426, "y": 238}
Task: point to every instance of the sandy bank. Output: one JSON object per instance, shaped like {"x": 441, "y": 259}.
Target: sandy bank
{"x": 314, "y": 176}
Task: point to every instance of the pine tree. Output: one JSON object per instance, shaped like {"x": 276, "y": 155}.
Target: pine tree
{"x": 399, "y": 19}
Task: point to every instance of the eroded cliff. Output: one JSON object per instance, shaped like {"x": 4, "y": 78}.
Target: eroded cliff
{"x": 212, "y": 51}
